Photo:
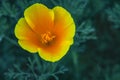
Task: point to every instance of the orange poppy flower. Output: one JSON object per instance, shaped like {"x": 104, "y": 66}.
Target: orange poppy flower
{"x": 47, "y": 31}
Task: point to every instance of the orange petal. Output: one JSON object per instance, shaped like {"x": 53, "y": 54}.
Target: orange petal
{"x": 27, "y": 38}
{"x": 56, "y": 54}
{"x": 64, "y": 27}
{"x": 39, "y": 17}
{"x": 64, "y": 24}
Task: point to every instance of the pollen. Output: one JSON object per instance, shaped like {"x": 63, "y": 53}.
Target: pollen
{"x": 47, "y": 38}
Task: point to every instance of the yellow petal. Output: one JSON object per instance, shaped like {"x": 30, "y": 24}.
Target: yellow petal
{"x": 27, "y": 38}
{"x": 39, "y": 17}
{"x": 55, "y": 55}
{"x": 22, "y": 30}
{"x": 69, "y": 33}
{"x": 29, "y": 46}
{"x": 62, "y": 17}
{"x": 64, "y": 24}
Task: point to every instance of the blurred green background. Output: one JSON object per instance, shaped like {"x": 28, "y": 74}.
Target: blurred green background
{"x": 95, "y": 54}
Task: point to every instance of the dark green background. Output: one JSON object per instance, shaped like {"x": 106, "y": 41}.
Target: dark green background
{"x": 95, "y": 54}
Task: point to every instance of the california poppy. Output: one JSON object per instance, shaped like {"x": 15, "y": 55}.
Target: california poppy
{"x": 47, "y": 31}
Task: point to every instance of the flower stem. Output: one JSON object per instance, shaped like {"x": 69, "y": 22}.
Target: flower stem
{"x": 76, "y": 64}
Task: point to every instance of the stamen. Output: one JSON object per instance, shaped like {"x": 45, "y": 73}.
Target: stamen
{"x": 47, "y": 38}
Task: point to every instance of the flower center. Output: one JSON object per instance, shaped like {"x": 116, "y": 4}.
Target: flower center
{"x": 47, "y": 38}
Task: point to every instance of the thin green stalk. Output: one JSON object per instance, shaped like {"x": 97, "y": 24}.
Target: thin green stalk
{"x": 31, "y": 66}
{"x": 75, "y": 63}
{"x": 11, "y": 41}
{"x": 36, "y": 57}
